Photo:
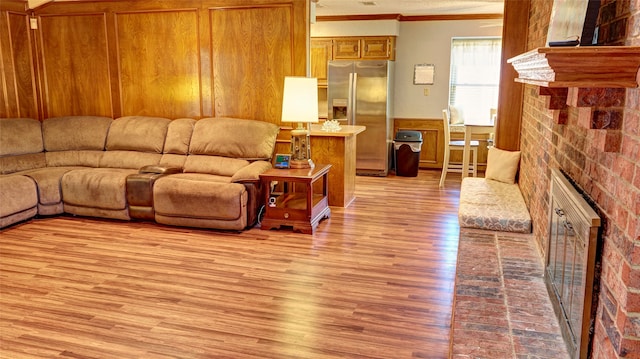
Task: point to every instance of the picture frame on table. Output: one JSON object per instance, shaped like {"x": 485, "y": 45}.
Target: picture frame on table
{"x": 282, "y": 160}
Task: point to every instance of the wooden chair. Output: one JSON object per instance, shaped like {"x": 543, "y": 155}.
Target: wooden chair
{"x": 493, "y": 113}
{"x": 455, "y": 146}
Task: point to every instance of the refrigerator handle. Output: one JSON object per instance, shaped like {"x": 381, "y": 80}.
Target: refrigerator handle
{"x": 352, "y": 91}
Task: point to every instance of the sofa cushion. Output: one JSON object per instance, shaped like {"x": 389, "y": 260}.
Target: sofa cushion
{"x": 236, "y": 138}
{"x": 179, "y": 136}
{"x": 21, "y": 145}
{"x": 215, "y": 165}
{"x": 48, "y": 181}
{"x": 137, "y": 133}
{"x": 251, "y": 173}
{"x": 173, "y": 160}
{"x": 198, "y": 196}
{"x": 103, "y": 188}
{"x": 129, "y": 159}
{"x": 20, "y": 136}
{"x": 492, "y": 205}
{"x": 17, "y": 163}
{"x": 75, "y": 133}
{"x": 19, "y": 198}
{"x": 86, "y": 158}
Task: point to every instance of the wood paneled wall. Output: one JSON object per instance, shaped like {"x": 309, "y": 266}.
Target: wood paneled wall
{"x": 75, "y": 65}
{"x": 175, "y": 58}
{"x": 159, "y": 55}
{"x": 514, "y": 42}
{"x": 18, "y": 94}
{"x": 273, "y": 42}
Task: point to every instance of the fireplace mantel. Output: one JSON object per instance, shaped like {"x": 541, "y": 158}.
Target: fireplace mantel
{"x": 592, "y": 79}
{"x": 592, "y": 66}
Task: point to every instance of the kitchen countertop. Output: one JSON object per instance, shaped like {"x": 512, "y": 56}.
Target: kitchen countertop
{"x": 346, "y": 130}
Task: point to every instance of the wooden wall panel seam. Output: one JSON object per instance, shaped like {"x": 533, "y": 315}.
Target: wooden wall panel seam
{"x": 6, "y": 63}
{"x": 33, "y": 72}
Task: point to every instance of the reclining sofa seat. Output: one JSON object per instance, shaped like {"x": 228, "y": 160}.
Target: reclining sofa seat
{"x": 132, "y": 143}
{"x": 67, "y": 150}
{"x": 34, "y": 157}
{"x": 220, "y": 184}
{"x": 21, "y": 149}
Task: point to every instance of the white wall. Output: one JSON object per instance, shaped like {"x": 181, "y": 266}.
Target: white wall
{"x": 35, "y": 3}
{"x": 356, "y": 28}
{"x": 418, "y": 42}
{"x": 430, "y": 42}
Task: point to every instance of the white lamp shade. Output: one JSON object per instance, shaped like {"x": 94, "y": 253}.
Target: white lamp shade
{"x": 300, "y": 99}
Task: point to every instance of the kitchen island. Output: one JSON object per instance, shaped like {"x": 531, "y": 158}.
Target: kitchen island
{"x": 338, "y": 149}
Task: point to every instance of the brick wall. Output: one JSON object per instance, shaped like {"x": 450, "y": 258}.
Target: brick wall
{"x": 611, "y": 179}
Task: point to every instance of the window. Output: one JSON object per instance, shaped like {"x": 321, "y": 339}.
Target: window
{"x": 474, "y": 78}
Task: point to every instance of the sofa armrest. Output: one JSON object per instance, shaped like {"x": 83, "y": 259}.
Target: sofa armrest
{"x": 159, "y": 169}
{"x": 251, "y": 172}
{"x": 139, "y": 189}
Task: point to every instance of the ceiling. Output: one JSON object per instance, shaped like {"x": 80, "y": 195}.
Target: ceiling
{"x": 408, "y": 7}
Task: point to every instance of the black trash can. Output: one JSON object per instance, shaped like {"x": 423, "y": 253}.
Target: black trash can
{"x": 406, "y": 149}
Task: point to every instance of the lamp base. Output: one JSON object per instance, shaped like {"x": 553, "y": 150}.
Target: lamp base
{"x": 308, "y": 163}
{"x": 300, "y": 148}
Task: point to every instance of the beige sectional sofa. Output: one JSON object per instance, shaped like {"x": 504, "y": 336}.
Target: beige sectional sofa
{"x": 180, "y": 172}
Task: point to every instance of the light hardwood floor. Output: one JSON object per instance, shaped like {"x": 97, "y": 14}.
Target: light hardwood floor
{"x": 374, "y": 281}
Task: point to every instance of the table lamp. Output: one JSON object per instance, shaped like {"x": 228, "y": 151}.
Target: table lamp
{"x": 300, "y": 104}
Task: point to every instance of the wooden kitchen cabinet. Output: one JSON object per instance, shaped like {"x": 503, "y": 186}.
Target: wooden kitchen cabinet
{"x": 432, "y": 151}
{"x": 321, "y": 53}
{"x": 347, "y": 48}
{"x": 351, "y": 48}
{"x": 376, "y": 48}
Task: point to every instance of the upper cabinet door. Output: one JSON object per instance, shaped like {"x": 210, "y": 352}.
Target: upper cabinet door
{"x": 378, "y": 48}
{"x": 346, "y": 48}
{"x": 321, "y": 53}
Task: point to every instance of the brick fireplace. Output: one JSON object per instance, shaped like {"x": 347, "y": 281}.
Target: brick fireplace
{"x": 593, "y": 135}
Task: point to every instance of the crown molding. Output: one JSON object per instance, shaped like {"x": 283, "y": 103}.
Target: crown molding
{"x": 451, "y": 17}
{"x": 14, "y": 5}
{"x": 401, "y": 17}
{"x": 358, "y": 17}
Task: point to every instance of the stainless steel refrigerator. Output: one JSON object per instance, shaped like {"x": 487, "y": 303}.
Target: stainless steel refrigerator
{"x": 361, "y": 93}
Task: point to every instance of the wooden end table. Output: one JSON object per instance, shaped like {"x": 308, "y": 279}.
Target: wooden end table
{"x": 296, "y": 198}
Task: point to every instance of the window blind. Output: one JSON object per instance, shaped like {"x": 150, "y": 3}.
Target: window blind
{"x": 475, "y": 75}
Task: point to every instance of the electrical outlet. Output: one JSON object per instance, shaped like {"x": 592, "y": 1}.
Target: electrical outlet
{"x": 426, "y": 92}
